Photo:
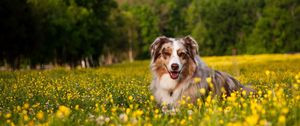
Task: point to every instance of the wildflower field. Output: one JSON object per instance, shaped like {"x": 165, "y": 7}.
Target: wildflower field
{"x": 119, "y": 95}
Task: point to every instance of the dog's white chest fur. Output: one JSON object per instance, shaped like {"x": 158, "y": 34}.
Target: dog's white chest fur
{"x": 167, "y": 83}
{"x": 165, "y": 92}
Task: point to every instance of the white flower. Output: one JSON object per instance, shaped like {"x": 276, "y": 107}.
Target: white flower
{"x": 123, "y": 117}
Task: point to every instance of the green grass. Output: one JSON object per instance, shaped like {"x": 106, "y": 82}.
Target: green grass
{"x": 119, "y": 94}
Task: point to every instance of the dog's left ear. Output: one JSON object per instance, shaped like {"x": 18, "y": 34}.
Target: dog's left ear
{"x": 191, "y": 45}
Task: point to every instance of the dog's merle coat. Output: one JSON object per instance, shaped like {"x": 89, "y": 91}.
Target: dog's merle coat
{"x": 169, "y": 85}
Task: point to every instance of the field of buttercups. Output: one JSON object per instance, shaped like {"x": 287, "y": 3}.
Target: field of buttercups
{"x": 119, "y": 95}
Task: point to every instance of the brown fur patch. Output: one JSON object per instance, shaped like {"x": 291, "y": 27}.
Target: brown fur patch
{"x": 189, "y": 69}
{"x": 159, "y": 67}
{"x": 156, "y": 46}
{"x": 166, "y": 50}
{"x": 162, "y": 60}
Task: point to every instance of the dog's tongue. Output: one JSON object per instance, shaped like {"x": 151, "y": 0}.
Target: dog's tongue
{"x": 174, "y": 75}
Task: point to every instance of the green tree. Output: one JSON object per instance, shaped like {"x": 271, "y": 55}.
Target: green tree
{"x": 147, "y": 29}
{"x": 18, "y": 33}
{"x": 221, "y": 25}
{"x": 278, "y": 29}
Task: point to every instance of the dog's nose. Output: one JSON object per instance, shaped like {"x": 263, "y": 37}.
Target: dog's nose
{"x": 174, "y": 66}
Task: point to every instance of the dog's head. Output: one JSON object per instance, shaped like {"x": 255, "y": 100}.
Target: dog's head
{"x": 173, "y": 55}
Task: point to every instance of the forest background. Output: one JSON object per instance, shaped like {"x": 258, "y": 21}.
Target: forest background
{"x": 91, "y": 33}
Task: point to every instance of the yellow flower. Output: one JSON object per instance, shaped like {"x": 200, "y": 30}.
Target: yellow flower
{"x": 138, "y": 112}
{"x": 130, "y": 97}
{"x": 113, "y": 110}
{"x": 244, "y": 93}
{"x": 285, "y": 110}
{"x": 59, "y": 114}
{"x": 208, "y": 99}
{"x": 182, "y": 102}
{"x": 296, "y": 86}
{"x": 26, "y": 106}
{"x": 208, "y": 80}
{"x": 197, "y": 80}
{"x": 148, "y": 124}
{"x": 281, "y": 119}
{"x": 267, "y": 72}
{"x": 18, "y": 108}
{"x": 12, "y": 124}
{"x": 97, "y": 109}
{"x": 223, "y": 90}
{"x": 202, "y": 91}
{"x": 172, "y": 121}
{"x": 190, "y": 118}
{"x": 190, "y": 105}
{"x": 31, "y": 123}
{"x": 151, "y": 97}
{"x": 40, "y": 115}
{"x": 227, "y": 109}
{"x": 182, "y": 122}
{"x": 76, "y": 107}
{"x": 221, "y": 122}
{"x": 263, "y": 122}
{"x": 269, "y": 93}
{"x": 252, "y": 120}
{"x": 8, "y": 115}
{"x": 259, "y": 92}
{"x": 63, "y": 111}
{"x": 199, "y": 102}
{"x": 25, "y": 117}
{"x": 128, "y": 110}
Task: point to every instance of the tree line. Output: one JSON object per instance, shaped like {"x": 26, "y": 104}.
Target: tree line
{"x": 97, "y": 32}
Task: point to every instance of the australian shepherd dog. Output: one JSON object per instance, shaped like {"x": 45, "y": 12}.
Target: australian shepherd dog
{"x": 175, "y": 63}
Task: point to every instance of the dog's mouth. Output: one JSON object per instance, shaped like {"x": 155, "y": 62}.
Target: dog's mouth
{"x": 174, "y": 74}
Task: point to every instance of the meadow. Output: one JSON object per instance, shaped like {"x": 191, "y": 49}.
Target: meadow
{"x": 119, "y": 95}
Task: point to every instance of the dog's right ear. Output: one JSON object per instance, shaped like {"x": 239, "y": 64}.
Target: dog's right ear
{"x": 156, "y": 45}
{"x": 191, "y": 44}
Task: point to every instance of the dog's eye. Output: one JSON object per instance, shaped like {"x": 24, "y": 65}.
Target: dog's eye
{"x": 166, "y": 53}
{"x": 181, "y": 54}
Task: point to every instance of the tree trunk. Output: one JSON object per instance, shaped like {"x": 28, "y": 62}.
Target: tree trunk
{"x": 130, "y": 36}
{"x": 109, "y": 59}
